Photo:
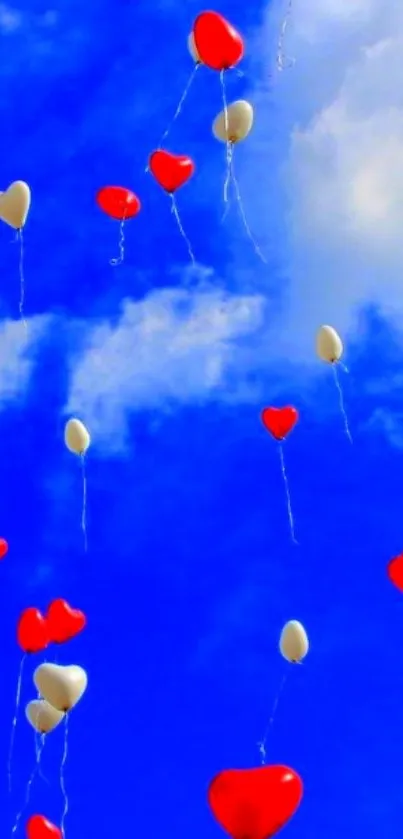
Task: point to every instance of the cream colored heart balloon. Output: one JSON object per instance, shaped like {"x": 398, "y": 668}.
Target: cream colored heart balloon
{"x": 76, "y": 436}
{"x": 61, "y": 686}
{"x": 329, "y": 345}
{"x": 42, "y": 716}
{"x": 294, "y": 644}
{"x": 238, "y": 124}
{"x": 14, "y": 204}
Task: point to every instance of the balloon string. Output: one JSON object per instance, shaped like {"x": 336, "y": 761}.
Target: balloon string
{"x": 28, "y": 790}
{"x": 263, "y": 742}
{"x": 179, "y": 107}
{"x": 117, "y": 260}
{"x": 15, "y": 718}
{"x": 40, "y": 740}
{"x": 84, "y": 510}
{"x": 341, "y": 403}
{"x": 174, "y": 210}
{"x": 228, "y": 144}
{"x": 62, "y": 782}
{"x": 248, "y": 231}
{"x": 287, "y": 492}
{"x": 282, "y": 61}
{"x": 22, "y": 278}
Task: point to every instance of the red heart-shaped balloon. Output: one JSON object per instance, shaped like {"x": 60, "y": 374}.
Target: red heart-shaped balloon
{"x": 218, "y": 44}
{"x": 279, "y": 421}
{"x": 118, "y": 202}
{"x": 3, "y": 548}
{"x": 170, "y": 170}
{"x": 38, "y": 827}
{"x": 32, "y": 631}
{"x": 64, "y": 623}
{"x": 395, "y": 571}
{"x": 255, "y": 803}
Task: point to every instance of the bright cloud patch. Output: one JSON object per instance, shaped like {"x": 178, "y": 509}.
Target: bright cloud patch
{"x": 339, "y": 124}
{"x": 175, "y": 346}
{"x": 16, "y": 343}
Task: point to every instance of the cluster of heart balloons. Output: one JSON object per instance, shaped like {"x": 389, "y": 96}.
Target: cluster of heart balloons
{"x": 216, "y": 44}
{"x": 59, "y": 687}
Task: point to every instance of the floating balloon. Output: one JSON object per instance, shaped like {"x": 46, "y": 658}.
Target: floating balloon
{"x": 38, "y": 827}
{"x": 118, "y": 202}
{"x": 77, "y": 440}
{"x": 234, "y": 123}
{"x": 42, "y": 716}
{"x": 395, "y": 571}
{"x": 14, "y": 207}
{"x": 329, "y": 345}
{"x": 64, "y": 623}
{"x": 14, "y": 204}
{"x": 329, "y": 348}
{"x": 294, "y": 642}
{"x": 32, "y": 631}
{"x": 121, "y": 204}
{"x": 192, "y": 48}
{"x": 3, "y": 548}
{"x": 217, "y": 43}
{"x": 255, "y": 803}
{"x": 279, "y": 422}
{"x": 61, "y": 686}
{"x": 76, "y": 436}
{"x": 171, "y": 171}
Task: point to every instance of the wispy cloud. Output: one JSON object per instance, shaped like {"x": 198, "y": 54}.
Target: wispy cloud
{"x": 13, "y": 19}
{"x": 339, "y": 146}
{"x": 10, "y": 19}
{"x": 175, "y": 346}
{"x": 17, "y": 348}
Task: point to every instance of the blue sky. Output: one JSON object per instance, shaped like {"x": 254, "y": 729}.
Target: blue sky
{"x": 191, "y": 572}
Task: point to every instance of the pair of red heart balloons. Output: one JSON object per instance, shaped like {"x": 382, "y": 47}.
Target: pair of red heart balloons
{"x": 38, "y": 827}
{"x": 61, "y": 623}
{"x": 255, "y": 803}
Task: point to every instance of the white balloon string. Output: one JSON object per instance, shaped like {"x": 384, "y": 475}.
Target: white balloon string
{"x": 229, "y": 176}
{"x": 341, "y": 403}
{"x": 15, "y": 718}
{"x": 262, "y": 744}
{"x": 282, "y": 61}
{"x": 288, "y": 497}
{"x": 22, "y": 278}
{"x": 117, "y": 260}
{"x": 248, "y": 231}
{"x": 179, "y": 107}
{"x": 174, "y": 210}
{"x": 40, "y": 740}
{"x": 84, "y": 510}
{"x": 228, "y": 144}
{"x": 28, "y": 789}
{"x": 62, "y": 781}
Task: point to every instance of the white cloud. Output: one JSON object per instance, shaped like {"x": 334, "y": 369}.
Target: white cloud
{"x": 339, "y": 144}
{"x": 175, "y": 346}
{"x": 10, "y": 19}
{"x": 17, "y": 342}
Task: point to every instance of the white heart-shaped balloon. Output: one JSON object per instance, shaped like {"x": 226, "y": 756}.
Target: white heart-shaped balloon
{"x": 61, "y": 686}
{"x": 42, "y": 716}
{"x": 14, "y": 204}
